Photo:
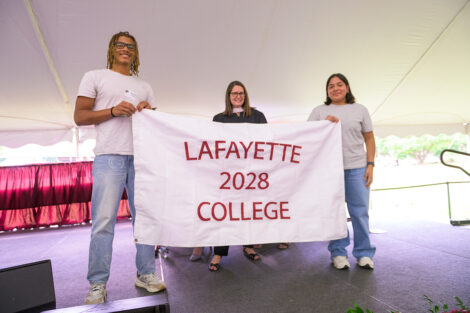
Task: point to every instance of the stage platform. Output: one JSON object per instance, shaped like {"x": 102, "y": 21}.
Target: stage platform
{"x": 414, "y": 258}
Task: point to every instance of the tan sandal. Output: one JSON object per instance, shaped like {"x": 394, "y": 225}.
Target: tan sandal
{"x": 283, "y": 246}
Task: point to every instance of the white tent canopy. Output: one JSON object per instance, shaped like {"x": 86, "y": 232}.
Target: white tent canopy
{"x": 407, "y": 61}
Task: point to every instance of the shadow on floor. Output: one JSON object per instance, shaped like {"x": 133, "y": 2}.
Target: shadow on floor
{"x": 414, "y": 257}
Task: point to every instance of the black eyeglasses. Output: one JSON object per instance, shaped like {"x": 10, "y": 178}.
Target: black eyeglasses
{"x": 234, "y": 94}
{"x": 121, "y": 45}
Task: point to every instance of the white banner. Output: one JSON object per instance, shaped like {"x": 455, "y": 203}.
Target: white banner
{"x": 201, "y": 183}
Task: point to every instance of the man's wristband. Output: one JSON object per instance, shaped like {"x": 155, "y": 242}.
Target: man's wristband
{"x": 112, "y": 112}
{"x": 368, "y": 163}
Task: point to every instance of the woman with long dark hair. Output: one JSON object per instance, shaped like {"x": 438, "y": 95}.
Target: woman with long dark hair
{"x": 356, "y": 129}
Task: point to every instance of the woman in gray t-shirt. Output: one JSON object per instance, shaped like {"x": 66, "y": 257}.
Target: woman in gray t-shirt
{"x": 356, "y": 129}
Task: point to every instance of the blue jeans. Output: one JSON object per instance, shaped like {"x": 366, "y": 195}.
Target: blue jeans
{"x": 111, "y": 173}
{"x": 357, "y": 200}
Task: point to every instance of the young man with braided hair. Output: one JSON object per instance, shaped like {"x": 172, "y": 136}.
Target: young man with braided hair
{"x": 107, "y": 98}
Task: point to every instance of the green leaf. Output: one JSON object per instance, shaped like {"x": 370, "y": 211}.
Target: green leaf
{"x": 429, "y": 300}
{"x": 356, "y": 309}
{"x": 460, "y": 303}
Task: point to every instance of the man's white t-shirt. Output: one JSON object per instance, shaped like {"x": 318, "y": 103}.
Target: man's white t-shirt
{"x": 355, "y": 120}
{"x": 109, "y": 88}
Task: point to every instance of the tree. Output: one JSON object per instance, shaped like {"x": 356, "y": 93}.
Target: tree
{"x": 419, "y": 148}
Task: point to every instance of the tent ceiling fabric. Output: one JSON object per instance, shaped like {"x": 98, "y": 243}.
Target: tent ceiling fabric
{"x": 407, "y": 61}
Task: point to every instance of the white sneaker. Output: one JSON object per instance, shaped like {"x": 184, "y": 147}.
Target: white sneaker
{"x": 151, "y": 282}
{"x": 97, "y": 294}
{"x": 366, "y": 262}
{"x": 341, "y": 262}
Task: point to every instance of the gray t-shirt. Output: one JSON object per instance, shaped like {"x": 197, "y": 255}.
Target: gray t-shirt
{"x": 355, "y": 120}
{"x": 109, "y": 88}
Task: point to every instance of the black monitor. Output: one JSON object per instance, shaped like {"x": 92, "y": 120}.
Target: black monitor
{"x": 27, "y": 288}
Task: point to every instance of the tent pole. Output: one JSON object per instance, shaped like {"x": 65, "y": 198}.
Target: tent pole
{"x": 76, "y": 133}
{"x": 47, "y": 55}
{"x": 77, "y": 142}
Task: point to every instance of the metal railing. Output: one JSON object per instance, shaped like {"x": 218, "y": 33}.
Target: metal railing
{"x": 450, "y": 165}
{"x": 454, "y": 222}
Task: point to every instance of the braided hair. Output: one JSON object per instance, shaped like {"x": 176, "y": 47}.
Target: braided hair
{"x": 135, "y": 63}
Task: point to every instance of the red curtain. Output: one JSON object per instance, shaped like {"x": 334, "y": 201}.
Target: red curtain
{"x": 47, "y": 194}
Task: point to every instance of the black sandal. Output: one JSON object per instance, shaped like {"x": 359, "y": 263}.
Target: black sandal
{"x": 251, "y": 256}
{"x": 216, "y": 265}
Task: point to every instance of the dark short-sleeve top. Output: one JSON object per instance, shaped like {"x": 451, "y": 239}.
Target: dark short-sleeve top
{"x": 256, "y": 117}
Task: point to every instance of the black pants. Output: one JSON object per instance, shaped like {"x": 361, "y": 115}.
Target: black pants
{"x": 223, "y": 250}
